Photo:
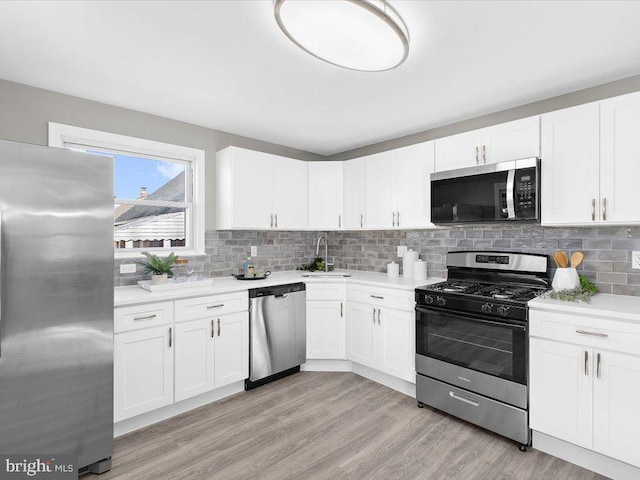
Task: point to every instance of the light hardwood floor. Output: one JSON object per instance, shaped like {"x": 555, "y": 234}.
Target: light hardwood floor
{"x": 325, "y": 426}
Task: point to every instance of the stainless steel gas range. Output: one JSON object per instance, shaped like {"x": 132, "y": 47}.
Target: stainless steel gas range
{"x": 472, "y": 339}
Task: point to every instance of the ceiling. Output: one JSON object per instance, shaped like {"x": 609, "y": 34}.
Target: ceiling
{"x": 226, "y": 65}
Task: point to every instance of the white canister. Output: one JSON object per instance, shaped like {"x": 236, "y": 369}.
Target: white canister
{"x": 420, "y": 270}
{"x": 565, "y": 279}
{"x": 393, "y": 270}
{"x": 408, "y": 259}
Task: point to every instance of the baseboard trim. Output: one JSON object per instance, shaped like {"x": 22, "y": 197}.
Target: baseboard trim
{"x": 326, "y": 366}
{"x": 390, "y": 381}
{"x": 140, "y": 421}
{"x": 585, "y": 458}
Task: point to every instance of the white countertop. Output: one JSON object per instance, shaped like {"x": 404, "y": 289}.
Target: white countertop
{"x": 133, "y": 295}
{"x": 619, "y": 307}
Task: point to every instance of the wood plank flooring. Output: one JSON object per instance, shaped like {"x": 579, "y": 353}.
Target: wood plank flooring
{"x": 334, "y": 426}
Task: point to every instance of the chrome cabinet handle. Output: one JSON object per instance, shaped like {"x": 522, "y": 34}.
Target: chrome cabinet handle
{"x": 597, "y": 365}
{"x": 272, "y": 220}
{"x": 339, "y": 221}
{"x": 211, "y": 307}
{"x": 586, "y": 363}
{"x": 212, "y": 328}
{"x": 484, "y": 154}
{"x": 593, "y": 209}
{"x": 148, "y": 317}
{"x": 170, "y": 336}
{"x": 398, "y": 217}
{"x": 394, "y": 219}
{"x": 218, "y": 327}
{"x": 593, "y": 334}
{"x": 374, "y": 316}
{"x": 477, "y": 155}
{"x": 604, "y": 208}
{"x": 378, "y": 316}
{"x": 276, "y": 222}
{"x": 361, "y": 220}
{"x": 463, "y": 399}
{"x": 378, "y": 297}
{"x": 341, "y": 309}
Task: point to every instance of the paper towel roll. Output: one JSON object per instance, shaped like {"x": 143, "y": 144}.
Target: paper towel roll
{"x": 393, "y": 270}
{"x": 420, "y": 270}
{"x": 409, "y": 258}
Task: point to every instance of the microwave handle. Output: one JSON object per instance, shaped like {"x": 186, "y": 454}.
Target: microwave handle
{"x": 511, "y": 195}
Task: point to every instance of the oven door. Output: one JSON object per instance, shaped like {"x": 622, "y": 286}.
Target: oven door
{"x": 480, "y": 344}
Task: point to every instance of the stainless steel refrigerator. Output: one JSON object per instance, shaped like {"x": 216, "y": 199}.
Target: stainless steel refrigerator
{"x": 56, "y": 304}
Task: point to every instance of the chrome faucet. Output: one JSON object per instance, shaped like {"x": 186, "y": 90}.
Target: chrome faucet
{"x": 326, "y": 251}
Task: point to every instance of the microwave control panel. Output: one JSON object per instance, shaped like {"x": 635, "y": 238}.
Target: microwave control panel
{"x": 526, "y": 193}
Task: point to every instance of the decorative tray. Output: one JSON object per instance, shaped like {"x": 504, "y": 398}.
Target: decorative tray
{"x": 173, "y": 283}
{"x": 242, "y": 277}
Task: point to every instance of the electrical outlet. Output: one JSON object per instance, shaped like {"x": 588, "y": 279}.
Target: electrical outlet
{"x": 401, "y": 251}
{"x": 254, "y": 251}
{"x": 128, "y": 268}
{"x": 635, "y": 259}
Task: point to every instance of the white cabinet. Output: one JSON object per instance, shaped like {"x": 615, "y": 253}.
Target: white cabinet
{"x": 325, "y": 195}
{"x": 498, "y": 143}
{"x": 353, "y": 193}
{"x": 143, "y": 371}
{"x": 326, "y": 325}
{"x": 397, "y": 185}
{"x": 585, "y": 381}
{"x": 231, "y": 351}
{"x": 194, "y": 360}
{"x": 381, "y": 336}
{"x": 259, "y": 190}
{"x": 591, "y": 160}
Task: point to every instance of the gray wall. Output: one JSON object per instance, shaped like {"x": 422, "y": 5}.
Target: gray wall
{"x": 26, "y": 111}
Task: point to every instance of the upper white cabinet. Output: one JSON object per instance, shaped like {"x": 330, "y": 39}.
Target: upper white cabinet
{"x": 325, "y": 195}
{"x": 591, "y": 160}
{"x": 353, "y": 193}
{"x": 259, "y": 190}
{"x": 498, "y": 143}
{"x": 397, "y": 187}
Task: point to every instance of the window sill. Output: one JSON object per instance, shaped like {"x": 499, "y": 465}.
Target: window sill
{"x": 137, "y": 254}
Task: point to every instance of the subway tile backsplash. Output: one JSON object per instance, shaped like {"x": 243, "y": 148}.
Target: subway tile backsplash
{"x": 607, "y": 250}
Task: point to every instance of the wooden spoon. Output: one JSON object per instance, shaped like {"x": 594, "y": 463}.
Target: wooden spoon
{"x": 561, "y": 259}
{"x": 576, "y": 259}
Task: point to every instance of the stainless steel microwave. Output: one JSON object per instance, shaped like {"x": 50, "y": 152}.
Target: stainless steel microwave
{"x": 505, "y": 191}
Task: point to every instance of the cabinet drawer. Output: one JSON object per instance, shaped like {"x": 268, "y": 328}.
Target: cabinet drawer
{"x": 331, "y": 291}
{"x": 142, "y": 316}
{"x": 212, "y": 305}
{"x": 384, "y": 297}
{"x": 585, "y": 330}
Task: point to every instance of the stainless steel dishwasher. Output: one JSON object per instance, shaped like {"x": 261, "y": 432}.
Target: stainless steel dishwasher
{"x": 277, "y": 332}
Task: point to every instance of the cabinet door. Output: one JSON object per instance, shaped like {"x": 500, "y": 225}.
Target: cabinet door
{"x": 194, "y": 358}
{"x": 325, "y": 195}
{"x": 250, "y": 178}
{"x": 353, "y": 198}
{"x": 380, "y": 178}
{"x": 289, "y": 193}
{"x": 414, "y": 165}
{"x": 360, "y": 332}
{"x": 396, "y": 343}
{"x": 458, "y": 151}
{"x": 620, "y": 158}
{"x": 570, "y": 165}
{"x": 511, "y": 140}
{"x": 560, "y": 379}
{"x": 325, "y": 330}
{"x": 143, "y": 371}
{"x": 231, "y": 348}
{"x": 615, "y": 403}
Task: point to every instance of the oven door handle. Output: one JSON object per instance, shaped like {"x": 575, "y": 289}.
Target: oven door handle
{"x": 439, "y": 313}
{"x": 511, "y": 195}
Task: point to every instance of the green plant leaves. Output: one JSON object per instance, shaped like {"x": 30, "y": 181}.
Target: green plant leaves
{"x": 156, "y": 265}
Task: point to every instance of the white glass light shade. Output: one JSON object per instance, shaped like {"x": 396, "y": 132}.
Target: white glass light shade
{"x": 365, "y": 35}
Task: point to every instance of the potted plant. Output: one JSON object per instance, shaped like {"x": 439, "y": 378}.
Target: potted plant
{"x": 158, "y": 267}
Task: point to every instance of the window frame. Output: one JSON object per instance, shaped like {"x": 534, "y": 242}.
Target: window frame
{"x": 69, "y": 136}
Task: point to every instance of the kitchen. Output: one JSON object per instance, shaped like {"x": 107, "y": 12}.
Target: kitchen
{"x": 280, "y": 197}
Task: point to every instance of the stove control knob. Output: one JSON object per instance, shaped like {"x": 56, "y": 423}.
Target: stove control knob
{"x": 440, "y": 301}
{"x": 504, "y": 310}
{"x": 428, "y": 299}
{"x": 486, "y": 308}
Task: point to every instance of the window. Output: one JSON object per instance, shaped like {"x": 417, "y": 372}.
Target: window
{"x": 159, "y": 190}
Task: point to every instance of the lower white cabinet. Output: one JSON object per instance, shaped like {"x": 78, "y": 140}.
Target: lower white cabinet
{"x": 231, "y": 351}
{"x": 361, "y": 324}
{"x": 194, "y": 357}
{"x": 326, "y": 321}
{"x": 143, "y": 371}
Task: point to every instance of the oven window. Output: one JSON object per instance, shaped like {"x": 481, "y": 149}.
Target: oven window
{"x": 481, "y": 345}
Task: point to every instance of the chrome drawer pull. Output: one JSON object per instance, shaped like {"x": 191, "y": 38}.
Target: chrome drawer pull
{"x": 463, "y": 399}
{"x": 211, "y": 307}
{"x": 593, "y": 334}
{"x": 378, "y": 297}
{"x": 149, "y": 317}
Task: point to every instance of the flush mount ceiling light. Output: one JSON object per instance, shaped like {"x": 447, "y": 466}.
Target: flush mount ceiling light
{"x": 365, "y": 35}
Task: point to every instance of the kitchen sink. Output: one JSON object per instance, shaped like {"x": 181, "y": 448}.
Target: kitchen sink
{"x": 326, "y": 275}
